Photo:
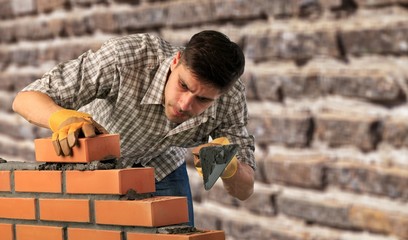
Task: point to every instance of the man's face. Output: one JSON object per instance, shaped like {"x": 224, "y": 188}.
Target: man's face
{"x": 184, "y": 95}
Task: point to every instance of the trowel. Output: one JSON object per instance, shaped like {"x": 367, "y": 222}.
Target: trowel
{"x": 214, "y": 159}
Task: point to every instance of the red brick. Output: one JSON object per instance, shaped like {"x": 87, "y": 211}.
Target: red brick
{"x": 288, "y": 127}
{"x": 74, "y": 25}
{"x": 5, "y": 181}
{"x": 157, "y": 211}
{"x": 6, "y": 231}
{"x": 18, "y": 208}
{"x": 6, "y": 9}
{"x": 105, "y": 21}
{"x": 38, "y": 181}
{"x": 213, "y": 235}
{"x": 314, "y": 208}
{"x": 367, "y": 178}
{"x": 23, "y": 7}
{"x": 267, "y": 44}
{"x": 377, "y": 37}
{"x": 105, "y": 146}
{"x": 370, "y": 219}
{"x": 239, "y": 9}
{"x": 92, "y": 234}
{"x": 179, "y": 11}
{"x": 300, "y": 169}
{"x": 30, "y": 232}
{"x": 342, "y": 128}
{"x": 115, "y": 181}
{"x": 395, "y": 131}
{"x": 49, "y": 5}
{"x": 66, "y": 210}
{"x": 379, "y": 220}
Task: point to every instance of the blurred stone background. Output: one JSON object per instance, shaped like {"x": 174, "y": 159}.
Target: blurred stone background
{"x": 327, "y": 86}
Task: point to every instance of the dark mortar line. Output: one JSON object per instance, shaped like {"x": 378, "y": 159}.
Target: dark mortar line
{"x": 139, "y": 229}
{"x": 12, "y": 178}
{"x": 92, "y": 213}
{"x": 325, "y": 177}
{"x": 14, "y": 232}
{"x": 61, "y": 196}
{"x": 375, "y": 130}
{"x": 341, "y": 48}
{"x": 123, "y": 235}
{"x": 65, "y": 233}
{"x": 37, "y": 209}
{"x": 310, "y": 132}
{"x": 63, "y": 183}
{"x": 65, "y": 225}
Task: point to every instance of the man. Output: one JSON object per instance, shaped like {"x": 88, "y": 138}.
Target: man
{"x": 160, "y": 99}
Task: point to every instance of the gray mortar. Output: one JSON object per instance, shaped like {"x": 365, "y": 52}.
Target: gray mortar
{"x": 177, "y": 229}
{"x": 214, "y": 159}
{"x": 133, "y": 195}
{"x": 104, "y": 164}
{"x": 4, "y": 165}
{"x": 94, "y": 165}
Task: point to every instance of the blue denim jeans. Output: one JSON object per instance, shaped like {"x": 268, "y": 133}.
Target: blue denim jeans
{"x": 177, "y": 184}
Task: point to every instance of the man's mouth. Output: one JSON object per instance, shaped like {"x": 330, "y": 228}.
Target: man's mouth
{"x": 178, "y": 113}
{"x": 181, "y": 114}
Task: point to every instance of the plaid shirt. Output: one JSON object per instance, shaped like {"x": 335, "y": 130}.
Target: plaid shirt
{"x": 122, "y": 85}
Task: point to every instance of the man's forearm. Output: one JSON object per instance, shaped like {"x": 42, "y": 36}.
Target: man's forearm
{"x": 241, "y": 185}
{"x": 35, "y": 107}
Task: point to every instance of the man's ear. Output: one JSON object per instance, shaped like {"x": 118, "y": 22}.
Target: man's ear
{"x": 175, "y": 60}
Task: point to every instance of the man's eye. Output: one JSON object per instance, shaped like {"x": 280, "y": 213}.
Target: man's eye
{"x": 183, "y": 85}
{"x": 203, "y": 100}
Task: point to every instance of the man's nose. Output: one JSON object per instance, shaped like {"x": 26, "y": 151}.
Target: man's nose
{"x": 186, "y": 102}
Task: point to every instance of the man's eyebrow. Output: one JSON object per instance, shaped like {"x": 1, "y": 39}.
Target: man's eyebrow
{"x": 202, "y": 97}
{"x": 181, "y": 81}
{"x": 206, "y": 98}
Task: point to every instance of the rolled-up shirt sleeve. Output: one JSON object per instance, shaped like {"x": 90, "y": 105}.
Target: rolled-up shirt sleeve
{"x": 75, "y": 83}
{"x": 234, "y": 128}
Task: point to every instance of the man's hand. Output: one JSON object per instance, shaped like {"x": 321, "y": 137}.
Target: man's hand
{"x": 231, "y": 168}
{"x": 68, "y": 126}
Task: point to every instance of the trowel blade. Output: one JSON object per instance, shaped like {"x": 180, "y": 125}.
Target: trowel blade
{"x": 214, "y": 159}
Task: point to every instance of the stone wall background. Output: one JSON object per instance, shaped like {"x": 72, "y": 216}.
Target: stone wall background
{"x": 327, "y": 85}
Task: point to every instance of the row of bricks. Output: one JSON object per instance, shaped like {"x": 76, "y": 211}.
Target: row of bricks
{"x": 31, "y": 232}
{"x": 142, "y": 17}
{"x": 365, "y": 79}
{"x": 249, "y": 225}
{"x": 331, "y": 208}
{"x": 149, "y": 212}
{"x": 226, "y": 8}
{"x": 114, "y": 181}
{"x": 322, "y": 171}
{"x": 254, "y": 48}
{"x": 376, "y": 84}
{"x": 336, "y": 127}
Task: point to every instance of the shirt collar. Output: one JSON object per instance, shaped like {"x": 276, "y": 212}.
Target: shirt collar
{"x": 155, "y": 92}
{"x": 211, "y": 111}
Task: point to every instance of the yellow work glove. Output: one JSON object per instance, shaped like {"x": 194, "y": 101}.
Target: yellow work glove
{"x": 67, "y": 126}
{"x": 231, "y": 168}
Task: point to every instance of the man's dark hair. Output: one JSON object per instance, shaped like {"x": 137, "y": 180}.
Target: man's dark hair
{"x": 213, "y": 58}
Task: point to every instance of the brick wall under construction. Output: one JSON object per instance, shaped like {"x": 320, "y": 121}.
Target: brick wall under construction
{"x": 327, "y": 90}
{"x": 71, "y": 198}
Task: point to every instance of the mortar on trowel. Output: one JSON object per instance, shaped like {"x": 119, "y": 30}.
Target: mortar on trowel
{"x": 213, "y": 160}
